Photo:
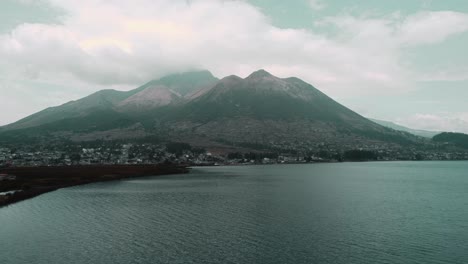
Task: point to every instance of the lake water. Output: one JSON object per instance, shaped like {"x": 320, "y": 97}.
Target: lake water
{"x": 395, "y": 212}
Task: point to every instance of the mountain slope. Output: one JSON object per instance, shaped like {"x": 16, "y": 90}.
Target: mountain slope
{"x": 268, "y": 110}
{"x": 149, "y": 98}
{"x": 457, "y": 139}
{"x": 184, "y": 84}
{"x": 100, "y": 101}
{"x": 152, "y": 95}
{"x": 188, "y": 83}
{"x": 417, "y": 132}
{"x": 264, "y": 96}
{"x": 259, "y": 111}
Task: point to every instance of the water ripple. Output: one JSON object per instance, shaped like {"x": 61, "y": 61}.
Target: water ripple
{"x": 330, "y": 213}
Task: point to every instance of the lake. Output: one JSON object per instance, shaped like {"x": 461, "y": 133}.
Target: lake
{"x": 380, "y": 212}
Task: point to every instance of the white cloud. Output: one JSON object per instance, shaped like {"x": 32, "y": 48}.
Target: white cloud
{"x": 448, "y": 122}
{"x": 317, "y": 4}
{"x": 444, "y": 75}
{"x": 126, "y": 43}
{"x": 396, "y": 31}
{"x": 387, "y": 40}
{"x": 432, "y": 27}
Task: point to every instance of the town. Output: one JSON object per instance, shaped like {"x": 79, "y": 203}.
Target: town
{"x": 115, "y": 153}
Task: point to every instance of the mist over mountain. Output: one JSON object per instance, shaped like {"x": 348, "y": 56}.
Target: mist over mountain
{"x": 417, "y": 132}
{"x": 259, "y": 111}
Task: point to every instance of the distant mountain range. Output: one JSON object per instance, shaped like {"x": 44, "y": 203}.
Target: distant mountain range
{"x": 260, "y": 111}
{"x": 417, "y": 132}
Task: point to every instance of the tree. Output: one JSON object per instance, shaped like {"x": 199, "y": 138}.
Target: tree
{"x": 360, "y": 155}
{"x": 177, "y": 148}
{"x": 75, "y": 157}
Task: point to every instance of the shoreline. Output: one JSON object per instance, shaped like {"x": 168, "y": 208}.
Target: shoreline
{"x": 34, "y": 181}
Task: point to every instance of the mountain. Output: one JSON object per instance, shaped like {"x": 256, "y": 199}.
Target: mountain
{"x": 269, "y": 111}
{"x": 259, "y": 111}
{"x": 263, "y": 96}
{"x": 149, "y": 98}
{"x": 188, "y": 83}
{"x": 457, "y": 139}
{"x": 417, "y": 132}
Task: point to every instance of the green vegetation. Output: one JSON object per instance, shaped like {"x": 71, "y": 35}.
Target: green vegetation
{"x": 457, "y": 139}
{"x": 360, "y": 155}
{"x": 178, "y": 148}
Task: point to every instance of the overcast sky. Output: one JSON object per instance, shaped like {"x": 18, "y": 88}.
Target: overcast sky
{"x": 402, "y": 60}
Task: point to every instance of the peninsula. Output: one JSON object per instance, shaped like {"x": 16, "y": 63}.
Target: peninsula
{"x": 21, "y": 183}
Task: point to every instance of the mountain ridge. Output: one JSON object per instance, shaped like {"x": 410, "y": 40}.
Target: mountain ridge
{"x": 417, "y": 132}
{"x": 260, "y": 109}
{"x": 110, "y": 99}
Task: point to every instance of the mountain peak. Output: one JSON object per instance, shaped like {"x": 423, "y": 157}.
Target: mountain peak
{"x": 184, "y": 83}
{"x": 150, "y": 98}
{"x": 259, "y": 74}
{"x": 231, "y": 78}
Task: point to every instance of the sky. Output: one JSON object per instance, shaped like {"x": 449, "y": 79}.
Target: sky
{"x": 404, "y": 61}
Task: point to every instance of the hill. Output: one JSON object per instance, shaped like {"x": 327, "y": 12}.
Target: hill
{"x": 457, "y": 139}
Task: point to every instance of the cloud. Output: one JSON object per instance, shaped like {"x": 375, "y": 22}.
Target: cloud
{"x": 386, "y": 42}
{"x": 448, "y": 122}
{"x": 19, "y": 100}
{"x": 432, "y": 27}
{"x": 317, "y": 4}
{"x": 141, "y": 41}
{"x": 126, "y": 43}
{"x": 448, "y": 76}
{"x": 396, "y": 31}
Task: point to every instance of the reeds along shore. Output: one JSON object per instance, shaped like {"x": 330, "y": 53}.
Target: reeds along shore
{"x": 33, "y": 181}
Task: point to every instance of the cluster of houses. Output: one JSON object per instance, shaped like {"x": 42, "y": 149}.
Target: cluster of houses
{"x": 126, "y": 153}
{"x": 116, "y": 154}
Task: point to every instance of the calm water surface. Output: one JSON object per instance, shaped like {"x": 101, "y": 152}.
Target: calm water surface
{"x": 402, "y": 212}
